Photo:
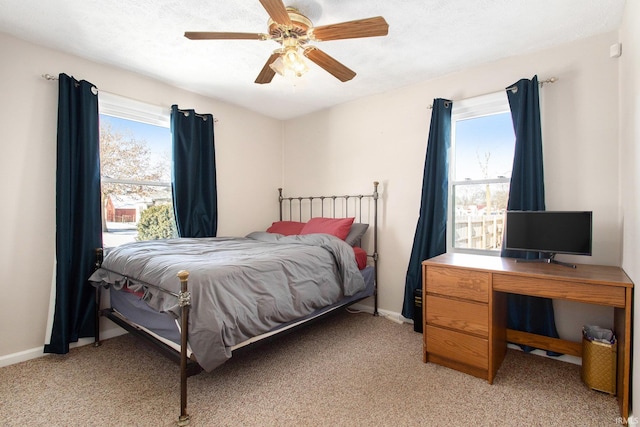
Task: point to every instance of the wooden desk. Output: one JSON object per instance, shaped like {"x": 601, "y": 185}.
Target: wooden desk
{"x": 464, "y": 310}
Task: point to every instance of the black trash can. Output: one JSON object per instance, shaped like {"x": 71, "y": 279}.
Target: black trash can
{"x": 417, "y": 310}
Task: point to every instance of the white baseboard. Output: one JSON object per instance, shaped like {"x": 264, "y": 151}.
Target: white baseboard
{"x": 34, "y": 353}
{"x": 22, "y": 356}
{"x": 390, "y": 315}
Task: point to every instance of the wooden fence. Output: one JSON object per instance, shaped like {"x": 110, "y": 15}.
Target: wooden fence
{"x": 479, "y": 231}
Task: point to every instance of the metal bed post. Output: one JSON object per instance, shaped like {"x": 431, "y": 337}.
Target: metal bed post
{"x": 375, "y": 247}
{"x": 184, "y": 301}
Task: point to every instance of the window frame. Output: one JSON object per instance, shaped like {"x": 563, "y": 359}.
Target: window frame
{"x": 130, "y": 109}
{"x": 470, "y": 108}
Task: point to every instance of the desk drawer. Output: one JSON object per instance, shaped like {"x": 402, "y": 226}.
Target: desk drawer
{"x": 613, "y": 296}
{"x": 456, "y": 346}
{"x": 464, "y": 316}
{"x": 458, "y": 282}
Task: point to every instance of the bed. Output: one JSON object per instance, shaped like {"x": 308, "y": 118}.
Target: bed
{"x": 201, "y": 300}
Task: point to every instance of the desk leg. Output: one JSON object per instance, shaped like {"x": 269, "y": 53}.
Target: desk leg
{"x": 622, "y": 327}
{"x": 497, "y": 333}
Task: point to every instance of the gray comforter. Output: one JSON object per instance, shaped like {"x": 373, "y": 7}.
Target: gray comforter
{"x": 240, "y": 287}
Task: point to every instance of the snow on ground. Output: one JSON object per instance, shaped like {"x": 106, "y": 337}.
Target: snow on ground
{"x": 119, "y": 233}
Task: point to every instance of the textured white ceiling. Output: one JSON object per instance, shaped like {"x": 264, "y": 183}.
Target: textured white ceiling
{"x": 427, "y": 38}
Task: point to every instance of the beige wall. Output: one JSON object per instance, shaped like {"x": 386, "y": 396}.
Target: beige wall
{"x": 384, "y": 138}
{"x": 249, "y": 163}
{"x": 629, "y": 161}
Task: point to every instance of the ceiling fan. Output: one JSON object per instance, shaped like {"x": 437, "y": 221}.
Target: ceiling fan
{"x": 293, "y": 31}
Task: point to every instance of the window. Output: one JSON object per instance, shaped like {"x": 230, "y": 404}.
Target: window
{"x": 482, "y": 148}
{"x": 135, "y": 170}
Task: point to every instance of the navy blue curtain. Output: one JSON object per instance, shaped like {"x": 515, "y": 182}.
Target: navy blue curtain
{"x": 525, "y": 313}
{"x": 78, "y": 214}
{"x": 195, "y": 201}
{"x": 431, "y": 231}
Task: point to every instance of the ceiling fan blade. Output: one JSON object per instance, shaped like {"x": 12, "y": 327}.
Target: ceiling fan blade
{"x": 277, "y": 11}
{"x": 267, "y": 73}
{"x": 338, "y": 70}
{"x": 368, "y": 27}
{"x": 204, "y": 35}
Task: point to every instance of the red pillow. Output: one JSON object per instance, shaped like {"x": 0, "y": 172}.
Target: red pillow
{"x": 287, "y": 228}
{"x": 338, "y": 227}
{"x": 361, "y": 257}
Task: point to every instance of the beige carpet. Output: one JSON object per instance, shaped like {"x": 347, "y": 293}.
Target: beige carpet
{"x": 351, "y": 370}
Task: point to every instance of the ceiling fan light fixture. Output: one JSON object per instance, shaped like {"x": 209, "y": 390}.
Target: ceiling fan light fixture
{"x": 278, "y": 65}
{"x": 293, "y": 61}
{"x": 290, "y": 62}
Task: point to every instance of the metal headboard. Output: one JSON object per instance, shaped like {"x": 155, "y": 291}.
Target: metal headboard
{"x": 337, "y": 207}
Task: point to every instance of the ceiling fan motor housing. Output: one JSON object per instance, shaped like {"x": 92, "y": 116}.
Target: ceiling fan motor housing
{"x": 298, "y": 30}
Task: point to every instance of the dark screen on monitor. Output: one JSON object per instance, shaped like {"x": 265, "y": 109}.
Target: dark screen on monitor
{"x": 549, "y": 231}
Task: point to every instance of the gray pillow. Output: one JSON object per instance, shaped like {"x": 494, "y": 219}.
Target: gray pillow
{"x": 355, "y": 233}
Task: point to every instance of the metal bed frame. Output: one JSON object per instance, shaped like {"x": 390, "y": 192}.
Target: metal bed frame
{"x": 188, "y": 365}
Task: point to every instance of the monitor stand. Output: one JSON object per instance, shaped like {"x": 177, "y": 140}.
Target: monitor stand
{"x": 550, "y": 260}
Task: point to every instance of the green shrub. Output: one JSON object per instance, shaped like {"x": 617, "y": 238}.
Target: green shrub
{"x": 157, "y": 222}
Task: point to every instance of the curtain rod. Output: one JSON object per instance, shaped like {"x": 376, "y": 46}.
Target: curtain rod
{"x": 540, "y": 83}
{"x": 52, "y": 77}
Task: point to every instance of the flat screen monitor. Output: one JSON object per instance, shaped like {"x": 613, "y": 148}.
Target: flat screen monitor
{"x": 550, "y": 232}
